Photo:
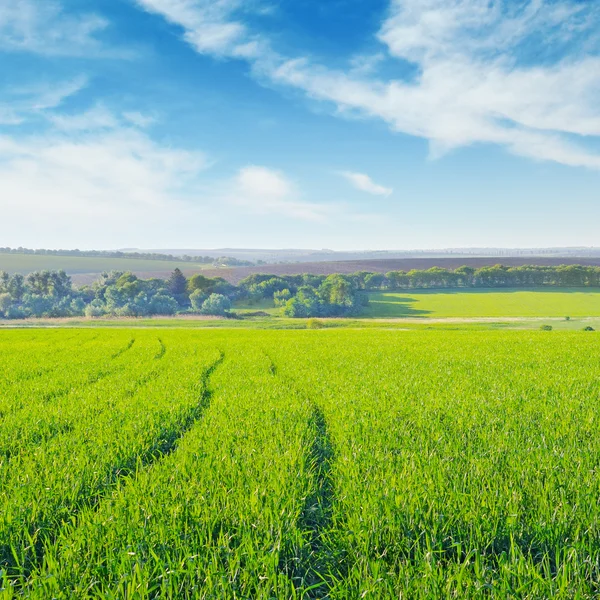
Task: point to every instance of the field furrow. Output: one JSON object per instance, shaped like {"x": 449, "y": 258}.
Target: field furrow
{"x": 116, "y": 429}
{"x": 208, "y": 521}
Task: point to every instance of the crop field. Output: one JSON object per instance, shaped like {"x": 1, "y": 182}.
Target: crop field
{"x": 555, "y": 302}
{"x": 84, "y": 265}
{"x": 156, "y": 463}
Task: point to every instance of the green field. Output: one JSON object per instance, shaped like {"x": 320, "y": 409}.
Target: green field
{"x": 558, "y": 302}
{"x": 80, "y": 265}
{"x": 157, "y": 463}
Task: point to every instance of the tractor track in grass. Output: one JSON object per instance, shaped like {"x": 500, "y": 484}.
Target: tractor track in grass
{"x": 320, "y": 561}
{"x": 312, "y": 567}
{"x": 118, "y": 476}
{"x": 162, "y": 350}
{"x": 124, "y": 349}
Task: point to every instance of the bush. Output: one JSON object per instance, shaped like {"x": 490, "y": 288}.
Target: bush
{"x": 197, "y": 298}
{"x": 5, "y": 303}
{"x": 588, "y": 328}
{"x": 217, "y": 305}
{"x": 162, "y": 304}
{"x": 280, "y": 298}
{"x": 546, "y": 327}
{"x": 15, "y": 312}
{"x": 567, "y": 318}
{"x": 314, "y": 324}
{"x": 295, "y": 309}
{"x": 95, "y": 309}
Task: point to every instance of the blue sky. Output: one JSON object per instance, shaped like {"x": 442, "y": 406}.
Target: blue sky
{"x": 344, "y": 124}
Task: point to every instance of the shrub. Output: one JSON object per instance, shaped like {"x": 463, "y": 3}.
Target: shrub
{"x": 314, "y": 324}
{"x": 216, "y": 304}
{"x": 162, "y": 304}
{"x": 546, "y": 327}
{"x": 5, "y": 303}
{"x": 567, "y": 318}
{"x": 197, "y": 298}
{"x": 588, "y": 328}
{"x": 15, "y": 312}
{"x": 95, "y": 309}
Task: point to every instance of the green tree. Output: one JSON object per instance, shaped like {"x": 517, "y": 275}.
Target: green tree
{"x": 216, "y": 304}
{"x": 177, "y": 283}
{"x": 281, "y": 298}
{"x": 199, "y": 282}
{"x": 197, "y": 298}
{"x": 5, "y": 303}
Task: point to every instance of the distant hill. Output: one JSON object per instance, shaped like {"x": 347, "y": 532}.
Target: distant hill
{"x": 295, "y": 255}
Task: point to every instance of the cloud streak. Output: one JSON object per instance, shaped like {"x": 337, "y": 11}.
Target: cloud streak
{"x": 44, "y": 27}
{"x": 471, "y": 84}
{"x": 24, "y": 102}
{"x": 364, "y": 183}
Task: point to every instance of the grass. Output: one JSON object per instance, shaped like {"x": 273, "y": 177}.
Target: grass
{"x": 164, "y": 463}
{"x": 280, "y": 323}
{"x": 560, "y": 302}
{"x": 264, "y": 305}
{"x": 81, "y": 265}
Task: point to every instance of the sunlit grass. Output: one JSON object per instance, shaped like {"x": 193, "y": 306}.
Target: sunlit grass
{"x": 485, "y": 303}
{"x": 299, "y": 464}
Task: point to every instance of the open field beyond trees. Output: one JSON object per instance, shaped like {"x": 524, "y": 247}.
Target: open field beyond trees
{"x": 87, "y": 268}
{"x": 440, "y": 304}
{"x": 299, "y": 464}
{"x": 573, "y": 302}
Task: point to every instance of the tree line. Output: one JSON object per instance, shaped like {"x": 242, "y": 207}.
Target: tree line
{"x": 123, "y": 294}
{"x": 226, "y": 261}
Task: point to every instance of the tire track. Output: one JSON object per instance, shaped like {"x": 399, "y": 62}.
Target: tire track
{"x": 162, "y": 350}
{"x": 319, "y": 562}
{"x": 123, "y": 350}
{"x": 117, "y": 475}
{"x": 313, "y": 567}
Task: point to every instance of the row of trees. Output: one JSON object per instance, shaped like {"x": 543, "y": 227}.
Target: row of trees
{"x": 116, "y": 293}
{"x": 497, "y": 276}
{"x": 225, "y": 261}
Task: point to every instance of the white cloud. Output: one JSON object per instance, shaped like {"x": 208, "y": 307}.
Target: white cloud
{"x": 260, "y": 181}
{"x": 22, "y": 103}
{"x": 267, "y": 191}
{"x": 44, "y": 27}
{"x": 99, "y": 179}
{"x": 470, "y": 86}
{"x": 94, "y": 173}
{"x": 93, "y": 119}
{"x": 210, "y": 26}
{"x": 138, "y": 119}
{"x": 364, "y": 183}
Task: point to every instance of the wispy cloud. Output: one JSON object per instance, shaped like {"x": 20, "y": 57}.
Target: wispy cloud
{"x": 22, "y": 103}
{"x": 364, "y": 183}
{"x": 268, "y": 191}
{"x": 479, "y": 76}
{"x": 44, "y": 27}
{"x": 96, "y": 171}
{"x": 210, "y": 26}
{"x": 138, "y": 119}
{"x": 92, "y": 165}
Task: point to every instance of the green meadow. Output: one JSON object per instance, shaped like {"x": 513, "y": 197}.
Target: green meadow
{"x": 154, "y": 463}
{"x": 561, "y": 302}
{"x": 79, "y": 265}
